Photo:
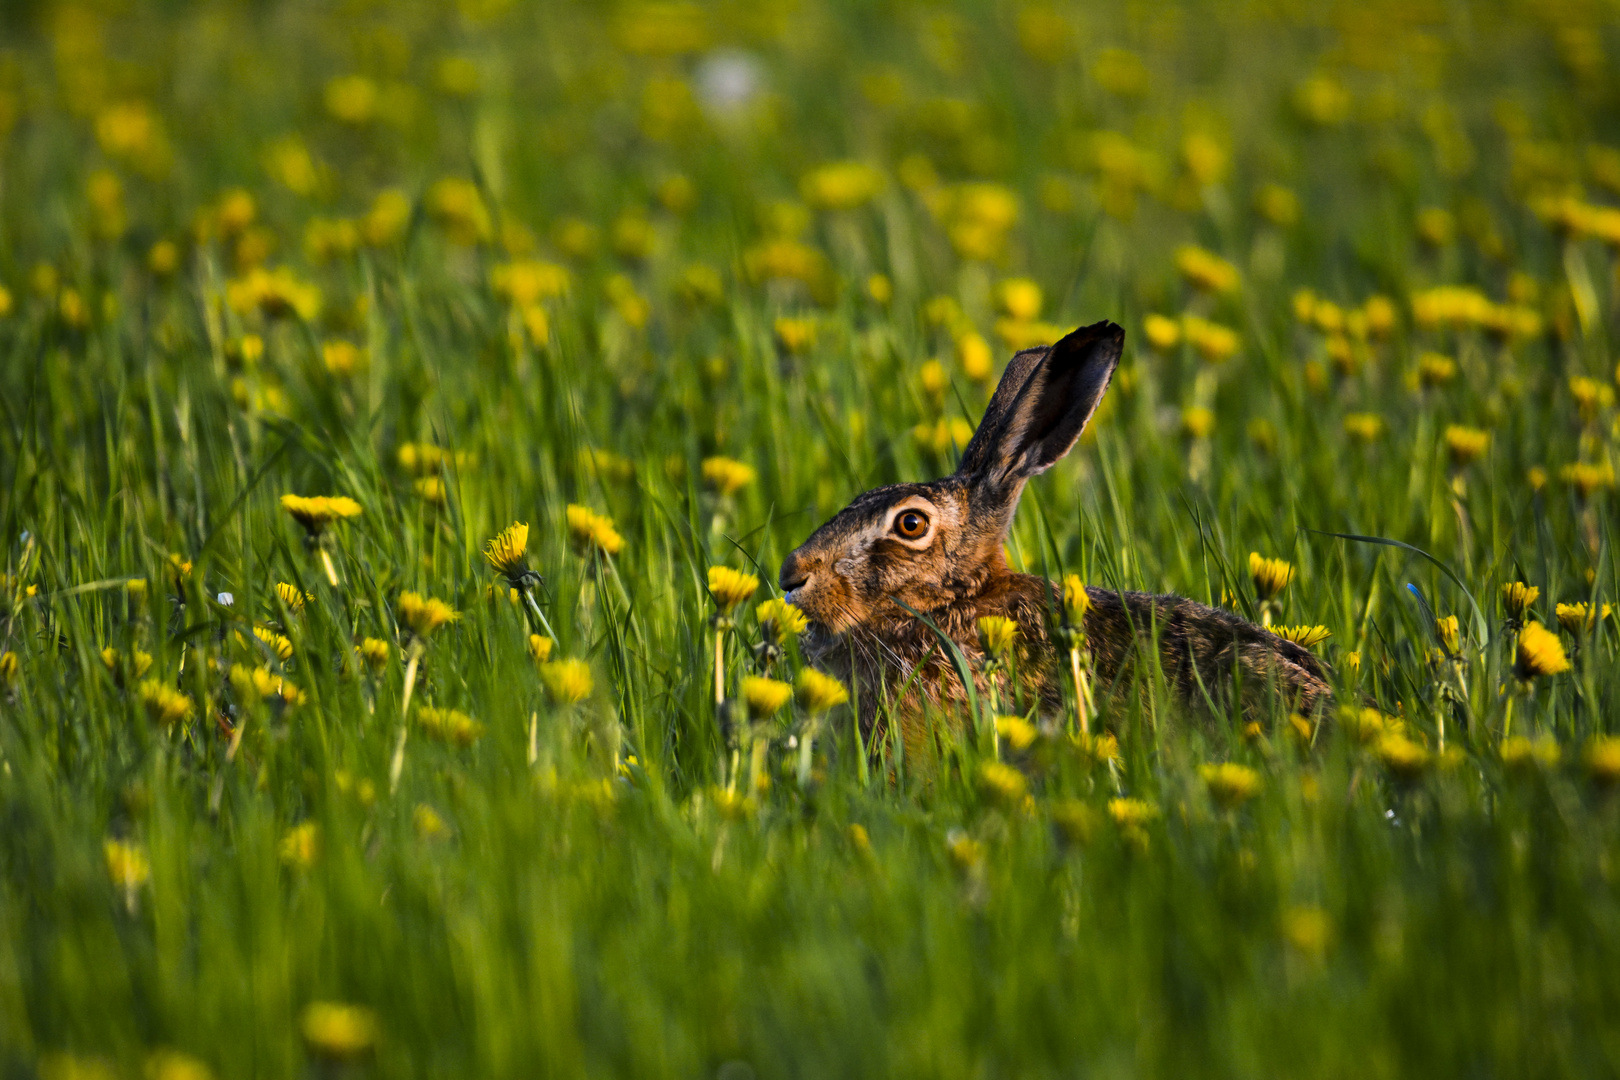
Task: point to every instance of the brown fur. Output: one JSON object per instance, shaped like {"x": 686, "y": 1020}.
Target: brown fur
{"x": 856, "y": 575}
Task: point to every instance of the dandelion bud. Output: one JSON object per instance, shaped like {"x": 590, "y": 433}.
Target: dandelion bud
{"x": 765, "y": 697}
{"x": 819, "y": 692}
{"x": 374, "y": 651}
{"x": 1271, "y": 576}
{"x": 127, "y": 864}
{"x": 1447, "y": 629}
{"x": 997, "y": 634}
{"x": 1578, "y": 619}
{"x": 1076, "y": 600}
{"x": 1517, "y": 598}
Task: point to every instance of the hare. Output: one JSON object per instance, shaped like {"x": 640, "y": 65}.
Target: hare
{"x": 937, "y": 549}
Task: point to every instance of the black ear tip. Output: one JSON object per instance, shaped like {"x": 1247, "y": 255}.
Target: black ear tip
{"x": 1106, "y": 333}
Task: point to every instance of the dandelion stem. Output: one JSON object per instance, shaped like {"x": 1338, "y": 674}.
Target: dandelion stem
{"x": 534, "y": 607}
{"x": 719, "y": 669}
{"x": 331, "y": 570}
{"x": 534, "y": 738}
{"x": 397, "y": 764}
{"x": 1081, "y": 691}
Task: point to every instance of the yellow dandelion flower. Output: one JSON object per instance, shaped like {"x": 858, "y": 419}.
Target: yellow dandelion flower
{"x": 1603, "y": 760}
{"x": 127, "y": 864}
{"x": 1096, "y": 749}
{"x": 1161, "y": 332}
{"x": 449, "y": 725}
{"x": 1277, "y": 204}
{"x": 1308, "y": 930}
{"x": 780, "y": 620}
{"x": 540, "y": 647}
{"x": 974, "y": 357}
{"x": 9, "y": 667}
{"x": 1435, "y": 369}
{"x": 424, "y": 614}
{"x": 726, "y": 475}
{"x": 819, "y": 692}
{"x": 1363, "y": 427}
{"x": 1303, "y": 635}
{"x": 567, "y": 681}
{"x": 1366, "y": 724}
{"x": 1448, "y": 628}
{"x": 316, "y": 512}
{"x": 593, "y": 530}
{"x": 1581, "y": 618}
{"x": 343, "y": 358}
{"x": 139, "y": 665}
{"x": 841, "y": 185}
{"x": 1270, "y": 576}
{"x": 337, "y": 1030}
{"x": 1465, "y": 443}
{"x": 1197, "y": 422}
{"x": 795, "y": 335}
{"x": 1212, "y": 341}
{"x": 765, "y": 697}
{"x": 430, "y": 489}
{"x": 1017, "y": 732}
{"x": 732, "y": 805}
{"x": 164, "y": 703}
{"x": 1076, "y": 600}
{"x": 1539, "y": 652}
{"x": 1132, "y": 813}
{"x": 1075, "y": 821}
{"x": 966, "y": 853}
{"x": 1403, "y": 757}
{"x": 168, "y": 1064}
{"x": 997, "y": 635}
{"x": 1230, "y": 784}
{"x": 507, "y": 550}
{"x": 1019, "y": 298}
{"x": 278, "y": 644}
{"x": 731, "y": 587}
{"x": 1522, "y": 755}
{"x": 374, "y": 651}
{"x": 428, "y": 822}
{"x": 1586, "y": 477}
{"x": 1002, "y": 782}
{"x": 294, "y": 597}
{"x": 1517, "y": 598}
{"x": 1206, "y": 271}
{"x": 300, "y": 845}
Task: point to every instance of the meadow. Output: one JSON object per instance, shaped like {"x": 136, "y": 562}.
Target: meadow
{"x": 403, "y": 404}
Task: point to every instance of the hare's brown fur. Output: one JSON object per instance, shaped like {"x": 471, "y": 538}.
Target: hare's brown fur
{"x": 857, "y": 575}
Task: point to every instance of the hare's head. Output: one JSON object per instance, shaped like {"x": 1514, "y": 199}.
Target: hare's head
{"x": 931, "y": 544}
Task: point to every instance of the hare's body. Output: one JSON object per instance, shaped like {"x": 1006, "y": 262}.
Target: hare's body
{"x": 937, "y": 549}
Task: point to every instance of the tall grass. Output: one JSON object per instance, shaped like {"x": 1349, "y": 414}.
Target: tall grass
{"x": 1428, "y": 886}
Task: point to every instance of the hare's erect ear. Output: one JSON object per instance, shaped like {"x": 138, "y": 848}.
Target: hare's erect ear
{"x": 1040, "y": 408}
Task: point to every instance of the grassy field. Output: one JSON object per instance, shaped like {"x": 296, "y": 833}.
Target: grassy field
{"x": 297, "y": 787}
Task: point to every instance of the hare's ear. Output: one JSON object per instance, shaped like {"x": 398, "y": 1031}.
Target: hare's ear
{"x": 1040, "y": 408}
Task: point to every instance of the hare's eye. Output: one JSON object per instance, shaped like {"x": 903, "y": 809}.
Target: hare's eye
{"x": 911, "y": 524}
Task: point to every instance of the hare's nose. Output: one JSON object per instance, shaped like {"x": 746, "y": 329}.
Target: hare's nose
{"x": 794, "y": 573}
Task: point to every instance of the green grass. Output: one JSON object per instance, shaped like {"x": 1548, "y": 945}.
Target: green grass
{"x": 1378, "y": 908}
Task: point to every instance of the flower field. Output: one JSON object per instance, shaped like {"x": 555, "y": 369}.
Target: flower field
{"x": 405, "y": 408}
